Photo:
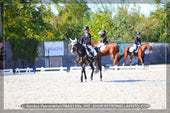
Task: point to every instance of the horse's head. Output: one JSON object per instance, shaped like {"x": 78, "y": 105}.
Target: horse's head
{"x": 150, "y": 47}
{"x": 74, "y": 45}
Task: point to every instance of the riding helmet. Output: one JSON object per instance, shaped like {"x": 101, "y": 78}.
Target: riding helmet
{"x": 86, "y": 28}
{"x": 138, "y": 33}
{"x": 104, "y": 31}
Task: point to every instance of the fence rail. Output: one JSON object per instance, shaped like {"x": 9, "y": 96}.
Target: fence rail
{"x": 42, "y": 69}
{"x": 22, "y": 70}
{"x": 78, "y": 68}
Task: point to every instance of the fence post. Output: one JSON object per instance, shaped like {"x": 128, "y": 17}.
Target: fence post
{"x": 61, "y": 68}
{"x": 42, "y": 69}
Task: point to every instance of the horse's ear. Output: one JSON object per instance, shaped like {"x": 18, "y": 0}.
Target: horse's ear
{"x": 71, "y": 39}
{"x": 76, "y": 39}
{"x": 151, "y": 44}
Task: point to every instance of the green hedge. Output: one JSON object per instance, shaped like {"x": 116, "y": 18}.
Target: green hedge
{"x": 24, "y": 49}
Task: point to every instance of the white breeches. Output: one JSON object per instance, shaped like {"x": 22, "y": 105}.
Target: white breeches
{"x": 92, "y": 50}
{"x": 134, "y": 46}
{"x": 101, "y": 44}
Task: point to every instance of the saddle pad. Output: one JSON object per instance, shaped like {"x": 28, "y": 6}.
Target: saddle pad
{"x": 102, "y": 48}
{"x": 131, "y": 49}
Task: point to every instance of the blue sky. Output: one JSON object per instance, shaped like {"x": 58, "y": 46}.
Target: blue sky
{"x": 144, "y": 8}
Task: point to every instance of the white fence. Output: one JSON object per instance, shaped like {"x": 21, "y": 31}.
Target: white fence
{"x": 23, "y": 70}
{"x": 158, "y": 67}
{"x": 60, "y": 69}
{"x": 78, "y": 68}
{"x": 6, "y": 72}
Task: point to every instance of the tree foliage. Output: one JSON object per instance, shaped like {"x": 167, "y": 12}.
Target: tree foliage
{"x": 33, "y": 21}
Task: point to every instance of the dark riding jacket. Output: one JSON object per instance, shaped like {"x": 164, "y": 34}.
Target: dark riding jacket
{"x": 86, "y": 40}
{"x": 137, "y": 40}
{"x": 104, "y": 38}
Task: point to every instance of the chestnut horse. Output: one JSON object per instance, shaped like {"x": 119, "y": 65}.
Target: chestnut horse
{"x": 139, "y": 54}
{"x": 110, "y": 49}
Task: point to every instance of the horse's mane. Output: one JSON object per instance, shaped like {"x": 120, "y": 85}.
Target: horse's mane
{"x": 93, "y": 41}
{"x": 81, "y": 49}
{"x": 143, "y": 44}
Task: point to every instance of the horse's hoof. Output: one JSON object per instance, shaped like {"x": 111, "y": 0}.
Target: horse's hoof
{"x": 85, "y": 80}
{"x": 100, "y": 79}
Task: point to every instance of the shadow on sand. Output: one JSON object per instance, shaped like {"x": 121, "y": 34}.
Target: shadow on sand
{"x": 126, "y": 81}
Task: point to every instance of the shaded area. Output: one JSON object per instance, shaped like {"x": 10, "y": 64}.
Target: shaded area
{"x": 126, "y": 81}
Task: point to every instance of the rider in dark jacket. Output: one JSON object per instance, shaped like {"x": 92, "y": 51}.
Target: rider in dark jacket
{"x": 137, "y": 42}
{"x": 86, "y": 41}
{"x": 104, "y": 37}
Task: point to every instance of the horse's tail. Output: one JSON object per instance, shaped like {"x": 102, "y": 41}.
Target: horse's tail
{"x": 120, "y": 57}
{"x": 98, "y": 63}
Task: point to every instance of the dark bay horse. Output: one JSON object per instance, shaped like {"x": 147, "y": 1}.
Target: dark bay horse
{"x": 139, "y": 54}
{"x": 81, "y": 52}
{"x": 110, "y": 49}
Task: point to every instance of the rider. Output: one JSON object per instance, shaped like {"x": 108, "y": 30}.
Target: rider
{"x": 104, "y": 38}
{"x": 86, "y": 40}
{"x": 137, "y": 42}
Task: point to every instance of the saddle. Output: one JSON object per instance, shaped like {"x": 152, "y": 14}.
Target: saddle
{"x": 132, "y": 48}
{"x": 102, "y": 46}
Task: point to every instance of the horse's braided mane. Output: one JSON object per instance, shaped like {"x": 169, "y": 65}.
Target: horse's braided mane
{"x": 81, "y": 49}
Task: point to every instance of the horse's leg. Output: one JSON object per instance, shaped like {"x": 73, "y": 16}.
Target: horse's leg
{"x": 82, "y": 70}
{"x": 100, "y": 66}
{"x": 117, "y": 58}
{"x": 114, "y": 63}
{"x": 140, "y": 57}
{"x": 143, "y": 58}
{"x": 125, "y": 56}
{"x": 85, "y": 74}
{"x": 131, "y": 57}
{"x": 100, "y": 74}
{"x": 91, "y": 65}
{"x": 138, "y": 61}
{"x": 114, "y": 60}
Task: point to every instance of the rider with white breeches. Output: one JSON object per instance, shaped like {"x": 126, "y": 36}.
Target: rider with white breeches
{"x": 104, "y": 39}
{"x": 137, "y": 42}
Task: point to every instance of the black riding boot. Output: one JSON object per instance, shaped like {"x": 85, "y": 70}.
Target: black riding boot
{"x": 133, "y": 53}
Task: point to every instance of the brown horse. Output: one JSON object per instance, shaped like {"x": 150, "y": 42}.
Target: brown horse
{"x": 110, "y": 49}
{"x": 139, "y": 54}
